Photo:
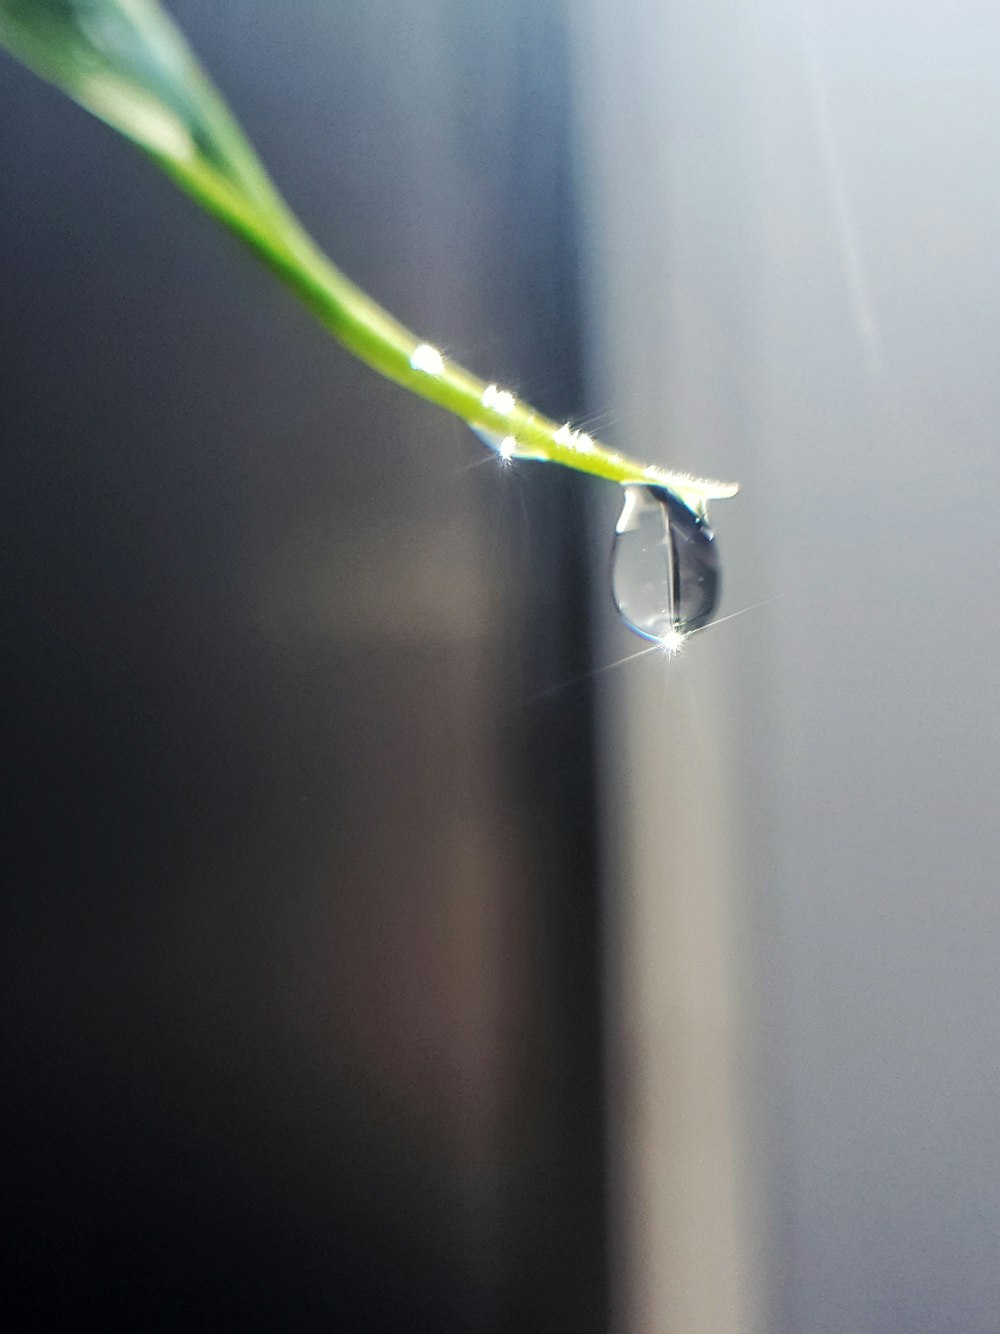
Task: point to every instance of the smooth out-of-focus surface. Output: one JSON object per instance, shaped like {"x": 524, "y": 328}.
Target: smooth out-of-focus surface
{"x": 299, "y": 955}
{"x": 795, "y": 219}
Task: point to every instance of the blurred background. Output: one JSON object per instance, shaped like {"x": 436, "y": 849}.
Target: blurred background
{"x": 386, "y": 947}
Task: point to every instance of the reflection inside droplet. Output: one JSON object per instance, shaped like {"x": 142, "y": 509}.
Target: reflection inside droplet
{"x": 664, "y": 566}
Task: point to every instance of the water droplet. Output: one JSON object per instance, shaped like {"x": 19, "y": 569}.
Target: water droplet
{"x": 504, "y": 445}
{"x": 500, "y": 400}
{"x": 664, "y": 566}
{"x": 427, "y": 359}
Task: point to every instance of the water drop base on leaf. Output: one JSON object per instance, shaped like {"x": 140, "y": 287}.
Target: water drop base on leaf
{"x": 664, "y": 566}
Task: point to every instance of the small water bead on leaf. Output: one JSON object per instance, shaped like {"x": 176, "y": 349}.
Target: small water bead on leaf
{"x": 504, "y": 445}
{"x": 427, "y": 359}
{"x": 500, "y": 400}
{"x": 664, "y": 566}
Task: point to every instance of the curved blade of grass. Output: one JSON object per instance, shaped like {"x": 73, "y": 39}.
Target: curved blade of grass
{"x": 125, "y": 61}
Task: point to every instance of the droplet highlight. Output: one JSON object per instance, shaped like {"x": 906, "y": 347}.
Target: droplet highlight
{"x": 500, "y": 400}
{"x": 504, "y": 445}
{"x": 427, "y": 359}
{"x": 664, "y": 566}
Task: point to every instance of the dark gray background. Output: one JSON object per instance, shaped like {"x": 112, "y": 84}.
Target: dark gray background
{"x": 300, "y": 961}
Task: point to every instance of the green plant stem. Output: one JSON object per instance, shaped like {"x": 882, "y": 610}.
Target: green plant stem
{"x": 373, "y": 335}
{"x": 129, "y": 65}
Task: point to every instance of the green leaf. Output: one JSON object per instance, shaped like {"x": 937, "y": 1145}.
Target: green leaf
{"x": 126, "y": 61}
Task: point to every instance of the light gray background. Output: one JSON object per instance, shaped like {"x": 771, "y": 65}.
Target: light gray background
{"x": 796, "y": 239}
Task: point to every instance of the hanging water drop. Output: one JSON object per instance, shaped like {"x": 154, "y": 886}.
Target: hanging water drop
{"x": 664, "y": 566}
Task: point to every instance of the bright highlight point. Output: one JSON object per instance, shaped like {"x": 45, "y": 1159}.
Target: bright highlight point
{"x": 507, "y": 448}
{"x": 427, "y": 359}
{"x": 500, "y": 400}
{"x": 671, "y": 643}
